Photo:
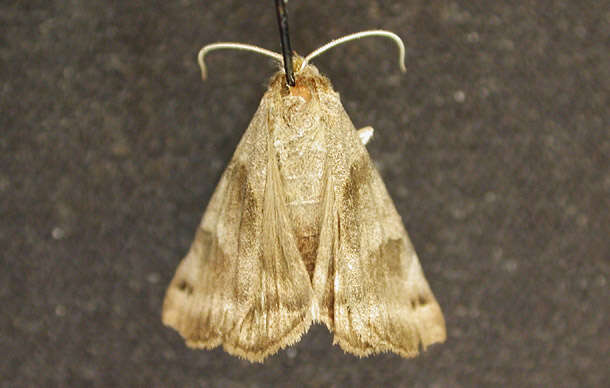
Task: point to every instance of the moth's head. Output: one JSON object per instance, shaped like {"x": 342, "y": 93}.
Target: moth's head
{"x": 309, "y": 83}
{"x": 307, "y": 102}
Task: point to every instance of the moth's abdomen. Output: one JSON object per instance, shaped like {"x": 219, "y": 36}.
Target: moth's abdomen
{"x": 303, "y": 199}
{"x": 302, "y": 159}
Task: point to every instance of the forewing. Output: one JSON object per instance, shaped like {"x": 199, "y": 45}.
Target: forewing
{"x": 371, "y": 290}
{"x": 242, "y": 283}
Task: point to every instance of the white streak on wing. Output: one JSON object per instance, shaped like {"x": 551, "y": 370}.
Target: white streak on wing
{"x": 365, "y": 134}
{"x": 315, "y": 310}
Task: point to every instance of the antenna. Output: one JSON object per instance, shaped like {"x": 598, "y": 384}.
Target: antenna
{"x": 233, "y": 46}
{"x": 287, "y": 59}
{"x": 360, "y": 35}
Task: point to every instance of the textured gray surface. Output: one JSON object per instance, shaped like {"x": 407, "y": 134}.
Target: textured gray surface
{"x": 495, "y": 147}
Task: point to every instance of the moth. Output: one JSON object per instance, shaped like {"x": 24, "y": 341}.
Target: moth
{"x": 299, "y": 230}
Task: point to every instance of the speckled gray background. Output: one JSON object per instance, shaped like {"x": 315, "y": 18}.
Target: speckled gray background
{"x": 495, "y": 147}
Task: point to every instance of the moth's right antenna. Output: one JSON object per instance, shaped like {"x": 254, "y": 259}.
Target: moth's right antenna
{"x": 359, "y": 35}
{"x": 282, "y": 21}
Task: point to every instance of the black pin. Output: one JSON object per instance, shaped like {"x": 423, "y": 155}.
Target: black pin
{"x": 282, "y": 20}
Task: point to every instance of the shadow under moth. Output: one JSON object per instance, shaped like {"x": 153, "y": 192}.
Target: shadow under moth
{"x": 301, "y": 229}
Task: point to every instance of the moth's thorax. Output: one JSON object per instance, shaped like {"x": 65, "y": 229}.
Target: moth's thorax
{"x": 300, "y": 147}
{"x": 298, "y": 134}
{"x": 298, "y": 131}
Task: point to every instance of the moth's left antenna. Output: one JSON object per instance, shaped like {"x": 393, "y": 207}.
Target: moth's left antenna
{"x": 282, "y": 20}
